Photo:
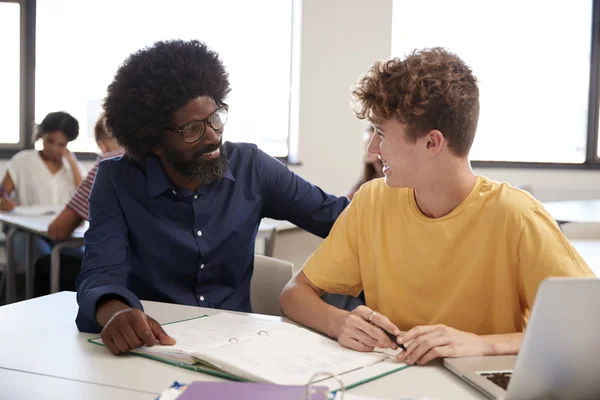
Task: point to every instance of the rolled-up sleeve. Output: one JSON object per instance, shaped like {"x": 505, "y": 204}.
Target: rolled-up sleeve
{"x": 105, "y": 267}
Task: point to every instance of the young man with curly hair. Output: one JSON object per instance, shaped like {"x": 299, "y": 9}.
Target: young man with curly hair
{"x": 449, "y": 262}
{"x": 175, "y": 219}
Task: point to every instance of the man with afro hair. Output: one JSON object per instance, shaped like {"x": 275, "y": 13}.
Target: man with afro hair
{"x": 175, "y": 219}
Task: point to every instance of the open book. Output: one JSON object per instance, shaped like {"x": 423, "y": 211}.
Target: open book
{"x": 262, "y": 350}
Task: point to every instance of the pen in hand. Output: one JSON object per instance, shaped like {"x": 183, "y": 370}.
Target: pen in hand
{"x": 394, "y": 339}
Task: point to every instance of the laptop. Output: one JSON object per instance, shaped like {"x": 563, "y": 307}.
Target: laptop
{"x": 560, "y": 353}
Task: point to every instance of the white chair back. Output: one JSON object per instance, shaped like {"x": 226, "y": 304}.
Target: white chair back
{"x": 269, "y": 278}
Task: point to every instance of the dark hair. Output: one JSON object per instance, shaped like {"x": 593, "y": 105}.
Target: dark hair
{"x": 101, "y": 132}
{"x": 430, "y": 89}
{"x": 153, "y": 83}
{"x": 58, "y": 121}
{"x": 369, "y": 171}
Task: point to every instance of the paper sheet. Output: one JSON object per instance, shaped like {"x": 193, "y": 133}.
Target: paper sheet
{"x": 200, "y": 334}
{"x": 290, "y": 357}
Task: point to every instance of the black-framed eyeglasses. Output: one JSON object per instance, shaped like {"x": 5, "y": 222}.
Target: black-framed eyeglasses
{"x": 195, "y": 130}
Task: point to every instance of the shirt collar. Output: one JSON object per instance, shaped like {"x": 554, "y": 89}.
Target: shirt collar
{"x": 229, "y": 175}
{"x": 157, "y": 178}
{"x": 115, "y": 153}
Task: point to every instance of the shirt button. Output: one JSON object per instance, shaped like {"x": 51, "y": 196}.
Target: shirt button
{"x": 195, "y": 196}
{"x": 201, "y": 266}
{"x": 201, "y": 298}
{"x": 199, "y": 233}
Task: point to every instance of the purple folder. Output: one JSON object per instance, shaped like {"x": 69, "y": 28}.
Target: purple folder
{"x": 249, "y": 391}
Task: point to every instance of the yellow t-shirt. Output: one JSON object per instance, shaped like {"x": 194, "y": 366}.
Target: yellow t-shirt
{"x": 476, "y": 269}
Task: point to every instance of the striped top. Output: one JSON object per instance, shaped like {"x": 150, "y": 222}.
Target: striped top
{"x": 79, "y": 200}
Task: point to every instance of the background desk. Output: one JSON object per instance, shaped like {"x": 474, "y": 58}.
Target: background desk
{"x": 33, "y": 225}
{"x": 18, "y": 385}
{"x": 38, "y": 225}
{"x": 582, "y": 211}
{"x": 39, "y": 336}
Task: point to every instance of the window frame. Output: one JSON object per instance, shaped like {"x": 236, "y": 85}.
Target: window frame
{"x": 592, "y": 161}
{"x": 27, "y": 84}
{"x": 25, "y": 88}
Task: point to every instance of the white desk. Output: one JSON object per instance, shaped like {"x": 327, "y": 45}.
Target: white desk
{"x": 267, "y": 231}
{"x": 582, "y": 211}
{"x": 38, "y": 225}
{"x": 44, "y": 328}
{"x": 590, "y": 251}
{"x": 34, "y": 225}
{"x": 18, "y": 385}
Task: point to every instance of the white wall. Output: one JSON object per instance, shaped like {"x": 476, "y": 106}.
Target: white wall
{"x": 340, "y": 40}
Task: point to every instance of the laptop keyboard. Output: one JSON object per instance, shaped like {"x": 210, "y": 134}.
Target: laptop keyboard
{"x": 499, "y": 378}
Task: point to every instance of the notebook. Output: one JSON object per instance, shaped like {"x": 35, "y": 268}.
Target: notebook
{"x": 252, "y": 391}
{"x": 252, "y": 348}
{"x": 247, "y": 391}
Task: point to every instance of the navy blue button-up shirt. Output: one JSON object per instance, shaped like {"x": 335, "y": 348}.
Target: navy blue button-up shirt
{"x": 150, "y": 240}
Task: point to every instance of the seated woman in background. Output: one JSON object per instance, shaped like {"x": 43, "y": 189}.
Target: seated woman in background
{"x": 373, "y": 168}
{"x": 48, "y": 176}
{"x": 74, "y": 213}
{"x": 76, "y": 209}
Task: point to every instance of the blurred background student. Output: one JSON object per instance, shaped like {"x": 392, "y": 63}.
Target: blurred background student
{"x": 372, "y": 169}
{"x": 48, "y": 176}
{"x": 372, "y": 166}
{"x": 74, "y": 213}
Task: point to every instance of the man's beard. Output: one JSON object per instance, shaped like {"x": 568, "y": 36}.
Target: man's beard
{"x": 204, "y": 171}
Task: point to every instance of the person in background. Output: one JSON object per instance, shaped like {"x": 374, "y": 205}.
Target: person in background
{"x": 74, "y": 213}
{"x": 372, "y": 169}
{"x": 450, "y": 262}
{"x": 76, "y": 209}
{"x": 47, "y": 177}
{"x": 372, "y": 165}
{"x": 175, "y": 220}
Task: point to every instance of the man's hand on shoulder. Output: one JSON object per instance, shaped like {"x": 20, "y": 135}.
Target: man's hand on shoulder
{"x": 128, "y": 328}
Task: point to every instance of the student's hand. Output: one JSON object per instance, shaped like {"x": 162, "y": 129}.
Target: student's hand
{"x": 68, "y": 155}
{"x": 439, "y": 341}
{"x": 131, "y": 328}
{"x": 6, "y": 204}
{"x": 357, "y": 332}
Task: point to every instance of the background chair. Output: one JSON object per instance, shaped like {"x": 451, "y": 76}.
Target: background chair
{"x": 269, "y": 278}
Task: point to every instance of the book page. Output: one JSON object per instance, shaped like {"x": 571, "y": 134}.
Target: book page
{"x": 199, "y": 334}
{"x": 290, "y": 357}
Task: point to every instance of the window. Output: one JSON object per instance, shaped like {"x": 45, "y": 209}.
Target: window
{"x": 532, "y": 60}
{"x": 10, "y": 96}
{"x": 80, "y": 45}
{"x": 598, "y": 137}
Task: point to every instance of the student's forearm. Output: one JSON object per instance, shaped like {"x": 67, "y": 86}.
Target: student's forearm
{"x": 64, "y": 224}
{"x": 74, "y": 168}
{"x": 76, "y": 173}
{"x": 503, "y": 344}
{"x": 7, "y": 186}
{"x": 301, "y": 304}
